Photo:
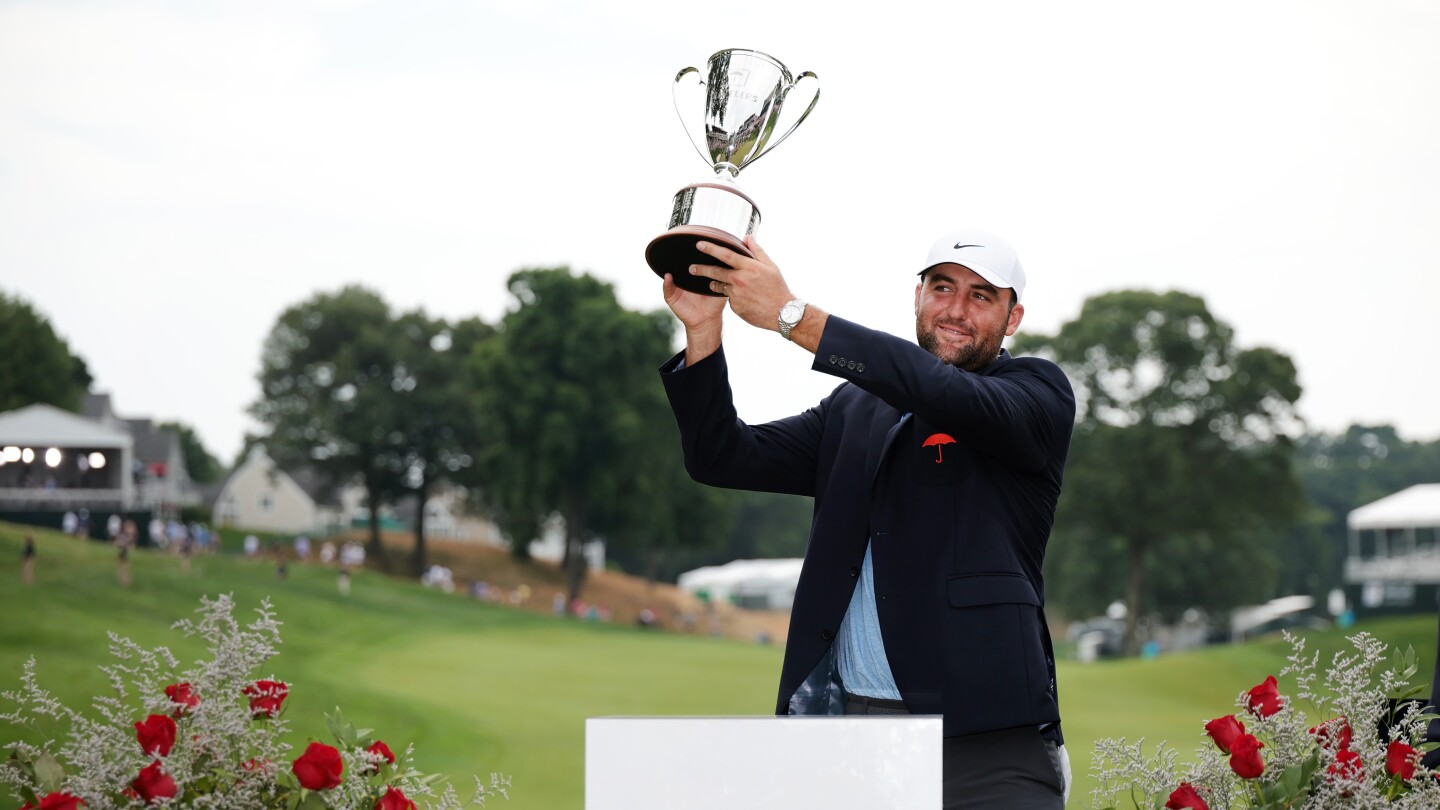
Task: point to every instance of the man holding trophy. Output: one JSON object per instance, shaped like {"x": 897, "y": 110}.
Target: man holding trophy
{"x": 935, "y": 470}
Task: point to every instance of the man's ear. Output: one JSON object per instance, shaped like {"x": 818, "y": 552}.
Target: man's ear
{"x": 1013, "y": 323}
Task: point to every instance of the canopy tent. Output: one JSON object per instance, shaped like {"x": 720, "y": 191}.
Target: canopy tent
{"x": 1395, "y": 547}
{"x": 50, "y": 456}
{"x": 1416, "y": 507}
{"x": 48, "y": 426}
{"x": 764, "y": 584}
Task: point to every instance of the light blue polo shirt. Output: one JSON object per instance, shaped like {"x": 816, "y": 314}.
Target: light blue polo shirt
{"x": 864, "y": 669}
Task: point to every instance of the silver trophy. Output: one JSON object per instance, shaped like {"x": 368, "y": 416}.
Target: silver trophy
{"x": 744, "y": 93}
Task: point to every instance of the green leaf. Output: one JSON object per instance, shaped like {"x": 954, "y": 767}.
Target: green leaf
{"x": 1290, "y": 779}
{"x": 343, "y": 731}
{"x": 1410, "y": 691}
{"x": 48, "y": 772}
{"x": 312, "y": 801}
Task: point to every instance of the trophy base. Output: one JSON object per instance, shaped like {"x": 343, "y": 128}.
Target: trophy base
{"x": 674, "y": 251}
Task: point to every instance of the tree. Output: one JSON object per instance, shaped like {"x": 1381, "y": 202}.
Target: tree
{"x": 436, "y": 431}
{"x": 202, "y": 467}
{"x": 37, "y": 365}
{"x": 575, "y": 422}
{"x": 752, "y": 525}
{"x": 326, "y": 396}
{"x": 1179, "y": 472}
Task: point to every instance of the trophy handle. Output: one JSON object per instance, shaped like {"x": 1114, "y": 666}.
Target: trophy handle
{"x": 806, "y": 75}
{"x": 675, "y": 97}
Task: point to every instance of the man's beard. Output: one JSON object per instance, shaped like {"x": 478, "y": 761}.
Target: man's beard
{"x": 973, "y": 357}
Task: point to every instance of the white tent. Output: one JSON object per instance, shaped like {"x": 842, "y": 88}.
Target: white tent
{"x": 48, "y": 426}
{"x": 1416, "y": 507}
{"x": 1394, "y": 545}
{"x": 36, "y": 435}
{"x": 762, "y": 584}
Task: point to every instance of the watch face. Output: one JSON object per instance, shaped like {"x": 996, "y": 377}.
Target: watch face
{"x": 790, "y": 313}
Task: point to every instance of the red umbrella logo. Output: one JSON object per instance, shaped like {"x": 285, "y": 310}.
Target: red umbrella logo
{"x": 937, "y": 441}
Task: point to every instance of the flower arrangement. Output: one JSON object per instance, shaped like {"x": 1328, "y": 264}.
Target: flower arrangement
{"x": 210, "y": 737}
{"x": 1364, "y": 752}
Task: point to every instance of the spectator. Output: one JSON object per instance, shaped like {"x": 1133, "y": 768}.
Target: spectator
{"x": 352, "y": 556}
{"x": 122, "y": 569}
{"x": 68, "y": 523}
{"x": 27, "y": 564}
{"x": 327, "y": 553}
{"x": 187, "y": 548}
{"x": 302, "y": 548}
{"x": 252, "y": 545}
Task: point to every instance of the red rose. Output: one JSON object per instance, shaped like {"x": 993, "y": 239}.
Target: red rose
{"x": 1400, "y": 760}
{"x": 380, "y": 749}
{"x": 57, "y": 801}
{"x": 1333, "y": 735}
{"x": 153, "y": 784}
{"x": 1245, "y": 758}
{"x": 266, "y": 697}
{"x": 183, "y": 697}
{"x": 156, "y": 734}
{"x": 1347, "y": 765}
{"x": 394, "y": 800}
{"x": 1225, "y": 731}
{"x": 319, "y": 768}
{"x": 1265, "y": 699}
{"x": 1186, "y": 798}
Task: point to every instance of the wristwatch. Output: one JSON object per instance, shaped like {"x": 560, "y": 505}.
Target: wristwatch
{"x": 790, "y": 315}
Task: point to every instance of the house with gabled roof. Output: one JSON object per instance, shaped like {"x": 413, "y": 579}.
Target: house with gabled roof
{"x": 162, "y": 481}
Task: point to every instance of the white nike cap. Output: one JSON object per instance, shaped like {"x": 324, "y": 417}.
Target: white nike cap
{"x": 989, "y": 256}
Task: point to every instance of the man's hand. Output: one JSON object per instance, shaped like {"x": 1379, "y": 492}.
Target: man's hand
{"x": 755, "y": 288}
{"x": 694, "y": 310}
{"x": 702, "y": 316}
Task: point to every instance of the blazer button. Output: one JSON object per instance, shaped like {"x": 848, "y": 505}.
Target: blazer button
{"x": 834, "y": 359}
{"x": 860, "y": 367}
{"x": 850, "y": 365}
{"x": 827, "y": 634}
{"x": 854, "y": 572}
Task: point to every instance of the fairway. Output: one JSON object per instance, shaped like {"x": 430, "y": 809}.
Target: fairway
{"x": 479, "y": 689}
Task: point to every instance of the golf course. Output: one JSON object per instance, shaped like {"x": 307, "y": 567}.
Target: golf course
{"x": 480, "y": 688}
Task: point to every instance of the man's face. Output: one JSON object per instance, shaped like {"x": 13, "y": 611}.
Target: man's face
{"x": 961, "y": 318}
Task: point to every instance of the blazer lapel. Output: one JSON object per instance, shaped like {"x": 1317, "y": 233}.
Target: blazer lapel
{"x": 888, "y": 421}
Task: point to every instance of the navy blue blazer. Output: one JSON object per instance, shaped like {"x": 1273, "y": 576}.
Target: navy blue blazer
{"x": 958, "y": 500}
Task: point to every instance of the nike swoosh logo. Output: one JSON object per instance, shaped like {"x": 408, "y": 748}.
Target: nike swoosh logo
{"x": 958, "y": 246}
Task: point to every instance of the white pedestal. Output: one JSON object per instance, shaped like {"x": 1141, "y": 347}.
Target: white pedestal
{"x": 763, "y": 763}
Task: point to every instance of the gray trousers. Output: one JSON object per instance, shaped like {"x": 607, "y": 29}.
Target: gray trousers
{"x": 1015, "y": 768}
{"x": 1012, "y": 769}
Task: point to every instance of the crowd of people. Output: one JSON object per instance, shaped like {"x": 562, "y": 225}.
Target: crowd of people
{"x": 346, "y": 557}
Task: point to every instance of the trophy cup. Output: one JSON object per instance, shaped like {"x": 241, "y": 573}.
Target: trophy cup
{"x": 744, "y": 92}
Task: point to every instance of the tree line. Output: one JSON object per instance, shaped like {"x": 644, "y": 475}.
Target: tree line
{"x": 1191, "y": 482}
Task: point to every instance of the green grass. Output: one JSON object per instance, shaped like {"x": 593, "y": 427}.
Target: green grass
{"x": 480, "y": 689}
{"x": 477, "y": 688}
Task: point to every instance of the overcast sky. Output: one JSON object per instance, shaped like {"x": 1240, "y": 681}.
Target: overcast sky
{"x": 175, "y": 174}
